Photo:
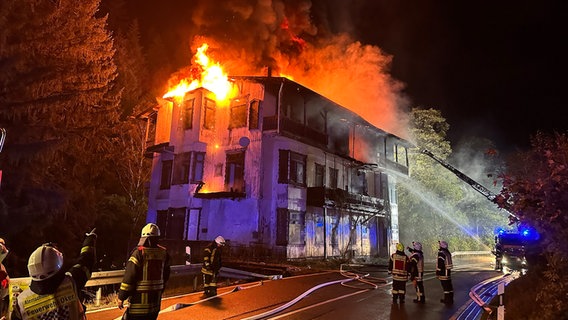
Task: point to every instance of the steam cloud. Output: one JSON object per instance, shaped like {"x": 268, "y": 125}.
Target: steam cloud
{"x": 249, "y": 36}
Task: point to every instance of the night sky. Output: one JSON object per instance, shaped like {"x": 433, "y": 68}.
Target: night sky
{"x": 494, "y": 68}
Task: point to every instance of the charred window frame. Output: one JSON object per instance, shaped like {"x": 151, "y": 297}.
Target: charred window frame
{"x": 319, "y": 180}
{"x": 181, "y": 168}
{"x": 235, "y": 172}
{"x": 238, "y": 113}
{"x": 254, "y": 114}
{"x": 187, "y": 117}
{"x": 292, "y": 168}
{"x": 333, "y": 174}
{"x": 359, "y": 181}
{"x": 210, "y": 108}
{"x": 166, "y": 179}
{"x": 198, "y": 167}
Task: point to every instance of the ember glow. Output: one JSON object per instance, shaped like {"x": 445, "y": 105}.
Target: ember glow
{"x": 211, "y": 77}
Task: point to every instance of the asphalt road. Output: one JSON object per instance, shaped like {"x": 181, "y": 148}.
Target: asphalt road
{"x": 361, "y": 293}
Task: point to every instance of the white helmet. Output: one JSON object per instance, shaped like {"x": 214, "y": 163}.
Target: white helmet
{"x": 150, "y": 230}
{"x": 443, "y": 244}
{"x": 417, "y": 245}
{"x": 220, "y": 241}
{"x": 45, "y": 262}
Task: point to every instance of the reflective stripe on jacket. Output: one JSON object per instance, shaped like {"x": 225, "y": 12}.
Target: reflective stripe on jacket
{"x": 63, "y": 304}
{"x": 444, "y": 265}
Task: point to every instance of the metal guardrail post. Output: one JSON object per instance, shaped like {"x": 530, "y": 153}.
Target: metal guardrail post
{"x": 501, "y": 308}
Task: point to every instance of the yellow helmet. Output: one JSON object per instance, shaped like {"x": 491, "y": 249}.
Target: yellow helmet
{"x": 150, "y": 230}
{"x": 399, "y": 247}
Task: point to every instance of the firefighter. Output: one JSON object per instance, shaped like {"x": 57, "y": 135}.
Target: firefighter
{"x": 398, "y": 267}
{"x": 55, "y": 293}
{"x": 211, "y": 265}
{"x": 417, "y": 271}
{"x": 4, "y": 281}
{"x": 147, "y": 272}
{"x": 444, "y": 272}
{"x": 498, "y": 252}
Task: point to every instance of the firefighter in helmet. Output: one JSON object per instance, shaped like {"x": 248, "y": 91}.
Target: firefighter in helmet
{"x": 444, "y": 272}
{"x": 211, "y": 265}
{"x": 398, "y": 267}
{"x": 147, "y": 272}
{"x": 55, "y": 293}
{"x": 416, "y": 268}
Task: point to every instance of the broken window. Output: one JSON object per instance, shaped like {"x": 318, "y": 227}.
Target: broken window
{"x": 254, "y": 115}
{"x": 198, "y": 166}
{"x": 235, "y": 172}
{"x": 209, "y": 118}
{"x": 320, "y": 175}
{"x": 181, "y": 168}
{"x": 165, "y": 180}
{"x": 292, "y": 167}
{"x": 333, "y": 173}
{"x": 238, "y": 113}
{"x": 187, "y": 117}
{"x": 358, "y": 181}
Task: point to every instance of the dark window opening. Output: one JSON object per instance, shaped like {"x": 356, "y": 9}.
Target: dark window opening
{"x": 165, "y": 180}
{"x": 333, "y": 173}
{"x": 238, "y": 113}
{"x": 209, "y": 118}
{"x": 281, "y": 227}
{"x": 172, "y": 223}
{"x": 319, "y": 180}
{"x": 187, "y": 118}
{"x": 181, "y": 168}
{"x": 198, "y": 167}
{"x": 291, "y": 167}
{"x": 254, "y": 114}
{"x": 235, "y": 172}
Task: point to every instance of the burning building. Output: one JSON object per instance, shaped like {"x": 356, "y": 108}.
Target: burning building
{"x": 277, "y": 169}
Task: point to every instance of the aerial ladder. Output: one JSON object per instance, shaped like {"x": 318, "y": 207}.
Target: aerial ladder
{"x": 2, "y": 139}
{"x": 474, "y": 184}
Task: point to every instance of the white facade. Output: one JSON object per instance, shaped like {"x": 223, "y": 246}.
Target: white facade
{"x": 280, "y": 171}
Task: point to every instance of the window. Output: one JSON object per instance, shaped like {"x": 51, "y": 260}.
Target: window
{"x": 358, "y": 181}
{"x": 254, "y": 114}
{"x": 172, "y": 223}
{"x": 198, "y": 166}
{"x": 219, "y": 170}
{"x": 187, "y": 118}
{"x": 333, "y": 178}
{"x": 319, "y": 180}
{"x": 291, "y": 167}
{"x": 281, "y": 226}
{"x": 209, "y": 118}
{"x": 235, "y": 172}
{"x": 165, "y": 180}
{"x": 238, "y": 116}
{"x": 181, "y": 168}
{"x": 297, "y": 228}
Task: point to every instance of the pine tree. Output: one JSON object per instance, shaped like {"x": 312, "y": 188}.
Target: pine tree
{"x": 58, "y": 106}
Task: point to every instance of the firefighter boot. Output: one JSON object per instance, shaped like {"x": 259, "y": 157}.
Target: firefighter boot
{"x": 394, "y": 298}
{"x": 401, "y": 298}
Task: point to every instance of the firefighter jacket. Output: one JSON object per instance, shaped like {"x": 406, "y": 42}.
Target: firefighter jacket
{"x": 444, "y": 265}
{"x": 398, "y": 266}
{"x": 147, "y": 272}
{"x": 58, "y": 297}
{"x": 416, "y": 265}
{"x": 212, "y": 259}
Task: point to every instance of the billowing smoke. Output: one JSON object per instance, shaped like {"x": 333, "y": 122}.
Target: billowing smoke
{"x": 254, "y": 37}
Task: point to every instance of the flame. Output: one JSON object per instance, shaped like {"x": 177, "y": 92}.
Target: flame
{"x": 211, "y": 77}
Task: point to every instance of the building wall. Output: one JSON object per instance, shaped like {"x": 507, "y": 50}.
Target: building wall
{"x": 270, "y": 207}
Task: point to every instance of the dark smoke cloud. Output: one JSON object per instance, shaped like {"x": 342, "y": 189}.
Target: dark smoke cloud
{"x": 294, "y": 38}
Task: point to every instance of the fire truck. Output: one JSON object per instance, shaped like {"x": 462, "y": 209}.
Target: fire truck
{"x": 511, "y": 247}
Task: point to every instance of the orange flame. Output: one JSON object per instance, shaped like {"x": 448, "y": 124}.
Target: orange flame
{"x": 212, "y": 77}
